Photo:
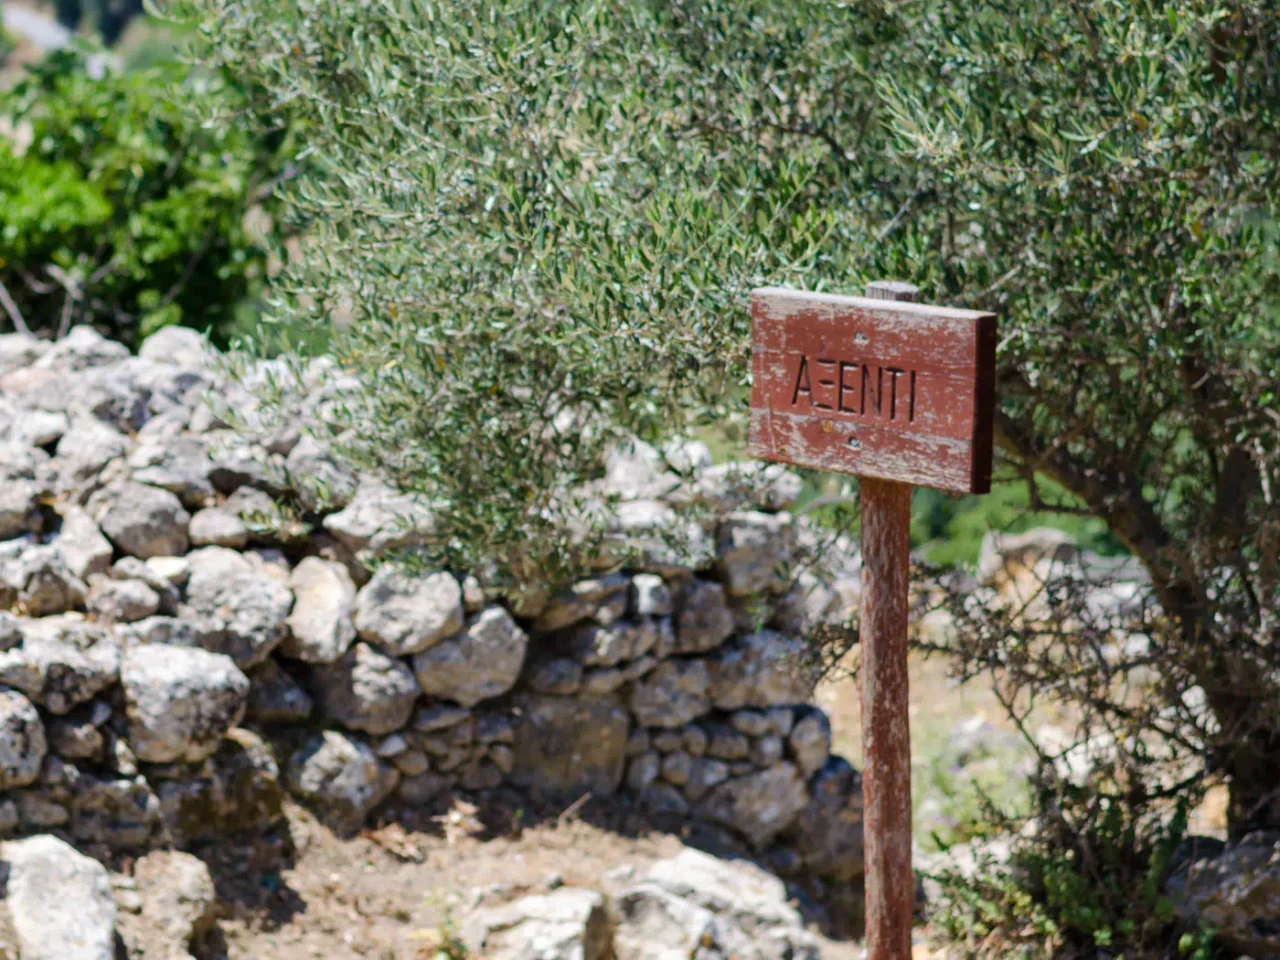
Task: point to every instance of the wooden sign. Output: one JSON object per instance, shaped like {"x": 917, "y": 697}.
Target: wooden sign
{"x": 899, "y": 393}
{"x": 895, "y": 390}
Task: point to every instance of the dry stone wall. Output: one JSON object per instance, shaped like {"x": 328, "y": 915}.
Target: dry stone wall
{"x": 178, "y": 649}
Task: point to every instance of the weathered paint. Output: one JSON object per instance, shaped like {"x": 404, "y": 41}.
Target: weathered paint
{"x": 878, "y": 388}
{"x": 886, "y": 731}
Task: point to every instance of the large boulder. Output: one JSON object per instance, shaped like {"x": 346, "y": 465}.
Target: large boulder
{"x": 1235, "y": 889}
{"x": 180, "y": 701}
{"x": 760, "y": 805}
{"x": 365, "y": 690}
{"x": 696, "y": 905}
{"x": 762, "y": 669}
{"x": 234, "y": 608}
{"x": 703, "y": 618}
{"x": 61, "y": 662}
{"x": 674, "y": 693}
{"x": 566, "y": 924}
{"x": 140, "y": 520}
{"x": 236, "y": 790}
{"x": 379, "y": 518}
{"x": 565, "y": 746}
{"x": 320, "y": 626}
{"x": 481, "y": 662}
{"x": 59, "y": 901}
{"x": 340, "y": 777}
{"x": 403, "y": 613}
{"x": 22, "y": 741}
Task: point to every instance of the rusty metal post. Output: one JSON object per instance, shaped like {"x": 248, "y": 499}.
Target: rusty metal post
{"x": 886, "y": 729}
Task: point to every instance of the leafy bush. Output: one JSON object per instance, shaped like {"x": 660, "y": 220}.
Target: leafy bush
{"x": 118, "y": 209}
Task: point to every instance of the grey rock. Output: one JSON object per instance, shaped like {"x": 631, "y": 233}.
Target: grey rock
{"x": 754, "y": 549}
{"x": 81, "y": 349}
{"x": 762, "y": 669}
{"x": 566, "y": 924}
{"x": 180, "y": 701}
{"x": 828, "y": 834}
{"x": 703, "y": 618}
{"x": 704, "y": 774}
{"x": 182, "y": 346}
{"x": 365, "y": 690}
{"x": 676, "y": 768}
{"x": 179, "y": 464}
{"x": 340, "y": 777}
{"x": 415, "y": 791}
{"x": 599, "y": 683}
{"x": 122, "y": 601}
{"x": 22, "y": 741}
{"x": 496, "y": 728}
{"x": 727, "y": 744}
{"x": 62, "y": 662}
{"x": 213, "y": 527}
{"x": 732, "y": 486}
{"x": 59, "y": 901}
{"x": 236, "y": 790}
{"x": 43, "y": 583}
{"x": 170, "y": 630}
{"x": 663, "y": 801}
{"x": 479, "y": 663}
{"x": 760, "y": 805}
{"x": 141, "y": 521}
{"x": 565, "y": 746}
{"x": 379, "y": 519}
{"x": 439, "y": 717}
{"x": 601, "y": 645}
{"x": 637, "y": 742}
{"x": 1235, "y": 889}
{"x": 751, "y": 722}
{"x": 406, "y": 614}
{"x": 695, "y": 741}
{"x": 698, "y": 905}
{"x": 482, "y": 775}
{"x": 767, "y": 751}
{"x": 76, "y": 739}
{"x": 503, "y": 757}
{"x": 667, "y": 741}
{"x": 234, "y": 608}
{"x": 560, "y": 676}
{"x": 810, "y": 742}
{"x": 582, "y": 600}
{"x": 643, "y": 770}
{"x": 411, "y": 763}
{"x": 178, "y": 900}
{"x": 84, "y": 450}
{"x": 321, "y": 626}
{"x": 19, "y": 508}
{"x": 83, "y": 547}
{"x": 650, "y": 596}
{"x": 676, "y": 692}
{"x": 274, "y": 696}
{"x": 1002, "y": 554}
{"x": 781, "y": 720}
{"x": 18, "y": 350}
{"x": 116, "y": 811}
{"x": 321, "y": 480}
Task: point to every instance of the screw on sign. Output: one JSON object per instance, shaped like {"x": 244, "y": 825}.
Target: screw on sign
{"x": 901, "y": 394}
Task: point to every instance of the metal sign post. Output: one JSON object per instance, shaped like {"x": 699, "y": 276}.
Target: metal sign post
{"x": 900, "y": 394}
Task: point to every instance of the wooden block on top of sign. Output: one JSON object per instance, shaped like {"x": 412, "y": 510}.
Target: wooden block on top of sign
{"x": 879, "y": 388}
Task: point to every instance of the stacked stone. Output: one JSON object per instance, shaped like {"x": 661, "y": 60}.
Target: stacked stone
{"x": 193, "y": 619}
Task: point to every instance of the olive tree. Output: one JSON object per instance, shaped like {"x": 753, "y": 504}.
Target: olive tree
{"x": 541, "y": 221}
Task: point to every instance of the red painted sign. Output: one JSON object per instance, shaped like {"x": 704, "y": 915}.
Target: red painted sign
{"x": 879, "y": 388}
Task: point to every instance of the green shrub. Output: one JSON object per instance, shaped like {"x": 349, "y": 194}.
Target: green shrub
{"x": 117, "y": 208}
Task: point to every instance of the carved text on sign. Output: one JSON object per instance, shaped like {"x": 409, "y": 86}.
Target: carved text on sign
{"x": 878, "y": 388}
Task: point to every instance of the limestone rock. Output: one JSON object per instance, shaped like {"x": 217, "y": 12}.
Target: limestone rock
{"x": 179, "y": 903}
{"x": 759, "y": 805}
{"x": 582, "y": 600}
{"x": 275, "y": 697}
{"x": 320, "y": 626}
{"x": 481, "y": 662}
{"x": 22, "y": 741}
{"x": 703, "y": 618}
{"x": 731, "y": 486}
{"x": 365, "y": 690}
{"x": 560, "y": 676}
{"x": 81, "y": 349}
{"x": 810, "y": 742}
{"x": 234, "y": 608}
{"x": 379, "y": 519}
{"x": 180, "y": 701}
{"x": 118, "y": 811}
{"x": 566, "y": 924}
{"x": 122, "y": 601}
{"x": 565, "y": 746}
{"x": 141, "y": 521}
{"x": 179, "y": 464}
{"x": 699, "y": 905}
{"x": 762, "y": 669}
{"x": 59, "y": 900}
{"x": 43, "y": 582}
{"x": 406, "y": 614}
{"x": 84, "y": 450}
{"x": 340, "y": 777}
{"x": 320, "y": 479}
{"x": 1235, "y": 889}
{"x": 828, "y": 833}
{"x": 754, "y": 551}
{"x": 19, "y": 514}
{"x": 674, "y": 693}
{"x": 237, "y": 789}
{"x": 62, "y": 661}
{"x": 182, "y": 346}
{"x": 213, "y": 527}
{"x": 81, "y": 544}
